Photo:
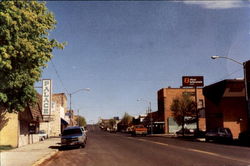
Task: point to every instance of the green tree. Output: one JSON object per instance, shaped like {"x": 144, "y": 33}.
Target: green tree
{"x": 112, "y": 122}
{"x": 25, "y": 48}
{"x": 184, "y": 110}
{"x": 126, "y": 119}
{"x": 81, "y": 121}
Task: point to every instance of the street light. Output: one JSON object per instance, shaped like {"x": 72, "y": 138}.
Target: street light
{"x": 244, "y": 69}
{"x": 245, "y": 80}
{"x": 70, "y": 95}
{"x": 216, "y": 57}
{"x": 150, "y": 111}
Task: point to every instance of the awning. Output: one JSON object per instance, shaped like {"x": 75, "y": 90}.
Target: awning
{"x": 64, "y": 122}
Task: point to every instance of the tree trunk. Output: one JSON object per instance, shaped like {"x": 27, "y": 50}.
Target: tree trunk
{"x": 182, "y": 126}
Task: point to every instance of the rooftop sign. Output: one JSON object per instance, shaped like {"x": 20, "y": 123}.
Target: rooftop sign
{"x": 192, "y": 81}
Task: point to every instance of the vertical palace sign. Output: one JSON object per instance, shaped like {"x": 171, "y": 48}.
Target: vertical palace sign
{"x": 46, "y": 97}
{"x": 192, "y": 81}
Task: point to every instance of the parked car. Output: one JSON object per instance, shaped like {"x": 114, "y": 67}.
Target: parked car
{"x": 42, "y": 135}
{"x": 129, "y": 129}
{"x": 199, "y": 133}
{"x": 74, "y": 136}
{"x": 219, "y": 134}
{"x": 112, "y": 130}
{"x": 244, "y": 137}
{"x": 186, "y": 132}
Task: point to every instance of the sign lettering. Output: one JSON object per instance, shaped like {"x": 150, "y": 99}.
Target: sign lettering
{"x": 46, "y": 97}
{"x": 192, "y": 81}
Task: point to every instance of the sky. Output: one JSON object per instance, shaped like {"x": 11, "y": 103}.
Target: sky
{"x": 127, "y": 50}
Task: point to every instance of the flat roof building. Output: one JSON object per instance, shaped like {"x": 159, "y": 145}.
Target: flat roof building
{"x": 165, "y": 99}
{"x": 226, "y": 106}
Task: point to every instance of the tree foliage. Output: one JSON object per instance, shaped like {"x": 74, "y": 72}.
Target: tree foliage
{"x": 81, "y": 121}
{"x": 112, "y": 122}
{"x": 126, "y": 119}
{"x": 183, "y": 109}
{"x": 25, "y": 48}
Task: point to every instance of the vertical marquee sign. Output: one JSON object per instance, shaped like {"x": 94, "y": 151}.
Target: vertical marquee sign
{"x": 46, "y": 96}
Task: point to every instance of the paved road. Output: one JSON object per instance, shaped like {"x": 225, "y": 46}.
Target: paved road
{"x": 109, "y": 149}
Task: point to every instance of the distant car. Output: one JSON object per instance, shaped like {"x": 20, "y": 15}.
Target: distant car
{"x": 129, "y": 129}
{"x": 219, "y": 134}
{"x": 244, "y": 137}
{"x": 139, "y": 130}
{"x": 199, "y": 133}
{"x": 186, "y": 132}
{"x": 112, "y": 130}
{"x": 42, "y": 135}
{"x": 74, "y": 136}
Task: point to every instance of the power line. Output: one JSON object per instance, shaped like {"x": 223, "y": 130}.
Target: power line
{"x": 57, "y": 73}
{"x": 226, "y": 76}
{"x": 231, "y": 73}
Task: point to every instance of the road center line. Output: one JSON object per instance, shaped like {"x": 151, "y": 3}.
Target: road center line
{"x": 195, "y": 150}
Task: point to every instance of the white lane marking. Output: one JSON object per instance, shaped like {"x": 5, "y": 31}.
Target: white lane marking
{"x": 195, "y": 150}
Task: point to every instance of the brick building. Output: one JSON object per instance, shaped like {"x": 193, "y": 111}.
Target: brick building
{"x": 165, "y": 98}
{"x": 56, "y": 123}
{"x": 226, "y": 106}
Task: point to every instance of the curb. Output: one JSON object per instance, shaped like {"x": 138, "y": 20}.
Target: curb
{"x": 41, "y": 160}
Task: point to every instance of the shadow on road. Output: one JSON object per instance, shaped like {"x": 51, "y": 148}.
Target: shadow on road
{"x": 64, "y": 148}
{"x": 235, "y": 142}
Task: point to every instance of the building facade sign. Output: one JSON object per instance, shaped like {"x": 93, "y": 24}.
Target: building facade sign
{"x": 46, "y": 97}
{"x": 192, "y": 81}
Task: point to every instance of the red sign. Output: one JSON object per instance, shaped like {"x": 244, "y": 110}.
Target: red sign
{"x": 192, "y": 81}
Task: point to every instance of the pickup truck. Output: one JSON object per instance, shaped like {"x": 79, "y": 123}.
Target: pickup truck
{"x": 139, "y": 130}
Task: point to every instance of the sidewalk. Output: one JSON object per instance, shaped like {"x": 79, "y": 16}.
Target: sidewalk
{"x": 30, "y": 155}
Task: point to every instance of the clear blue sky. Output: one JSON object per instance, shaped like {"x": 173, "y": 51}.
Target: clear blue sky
{"x": 127, "y": 50}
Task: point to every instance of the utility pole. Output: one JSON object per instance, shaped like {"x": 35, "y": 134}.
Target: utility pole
{"x": 149, "y": 112}
{"x": 70, "y": 95}
{"x": 78, "y": 118}
{"x": 151, "y": 118}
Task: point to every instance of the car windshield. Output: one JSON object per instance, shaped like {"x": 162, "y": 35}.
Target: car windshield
{"x": 71, "y": 132}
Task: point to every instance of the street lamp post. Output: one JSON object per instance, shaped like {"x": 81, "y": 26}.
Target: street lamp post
{"x": 70, "y": 96}
{"x": 244, "y": 69}
{"x": 150, "y": 111}
{"x": 216, "y": 57}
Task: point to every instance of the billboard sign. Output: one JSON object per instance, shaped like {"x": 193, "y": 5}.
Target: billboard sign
{"x": 46, "y": 97}
{"x": 192, "y": 81}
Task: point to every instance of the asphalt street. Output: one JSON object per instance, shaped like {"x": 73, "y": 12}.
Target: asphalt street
{"x": 110, "y": 149}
